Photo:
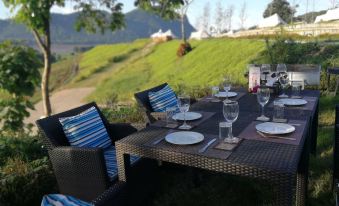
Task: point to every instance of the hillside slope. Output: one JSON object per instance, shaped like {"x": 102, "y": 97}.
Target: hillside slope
{"x": 205, "y": 66}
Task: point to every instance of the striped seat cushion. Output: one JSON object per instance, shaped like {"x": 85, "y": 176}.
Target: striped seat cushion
{"x": 62, "y": 200}
{"x": 111, "y": 162}
{"x": 86, "y": 130}
{"x": 162, "y": 99}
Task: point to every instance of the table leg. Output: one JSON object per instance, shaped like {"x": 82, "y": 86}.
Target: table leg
{"x": 123, "y": 163}
{"x": 314, "y": 130}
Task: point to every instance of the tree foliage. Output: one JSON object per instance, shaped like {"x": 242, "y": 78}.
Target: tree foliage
{"x": 19, "y": 76}
{"x": 280, "y": 7}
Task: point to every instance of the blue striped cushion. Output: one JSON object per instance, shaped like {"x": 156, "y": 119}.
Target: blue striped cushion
{"x": 111, "y": 162}
{"x": 86, "y": 130}
{"x": 162, "y": 99}
{"x": 62, "y": 200}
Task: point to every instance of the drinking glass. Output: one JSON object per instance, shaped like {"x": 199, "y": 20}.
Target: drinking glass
{"x": 170, "y": 112}
{"x": 278, "y": 111}
{"x": 184, "y": 105}
{"x": 224, "y": 130}
{"x": 215, "y": 91}
{"x": 284, "y": 81}
{"x": 296, "y": 90}
{"x": 263, "y": 96}
{"x": 265, "y": 70}
{"x": 227, "y": 86}
{"x": 231, "y": 113}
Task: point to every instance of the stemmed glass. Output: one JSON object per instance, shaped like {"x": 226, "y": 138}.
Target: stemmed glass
{"x": 284, "y": 81}
{"x": 231, "y": 113}
{"x": 265, "y": 70}
{"x": 227, "y": 86}
{"x": 281, "y": 68}
{"x": 263, "y": 96}
{"x": 184, "y": 105}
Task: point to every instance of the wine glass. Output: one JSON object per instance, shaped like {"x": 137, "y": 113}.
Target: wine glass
{"x": 184, "y": 105}
{"x": 265, "y": 70}
{"x": 284, "y": 81}
{"x": 215, "y": 92}
{"x": 227, "y": 86}
{"x": 231, "y": 113}
{"x": 281, "y": 68}
{"x": 263, "y": 96}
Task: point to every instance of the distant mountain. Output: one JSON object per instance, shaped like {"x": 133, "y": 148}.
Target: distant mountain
{"x": 139, "y": 24}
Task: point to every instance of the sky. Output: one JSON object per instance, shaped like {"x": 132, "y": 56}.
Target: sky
{"x": 255, "y": 9}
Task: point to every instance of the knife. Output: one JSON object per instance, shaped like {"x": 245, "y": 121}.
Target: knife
{"x": 159, "y": 140}
{"x": 206, "y": 146}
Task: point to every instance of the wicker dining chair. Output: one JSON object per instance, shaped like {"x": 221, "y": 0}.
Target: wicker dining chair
{"x": 81, "y": 172}
{"x": 143, "y": 101}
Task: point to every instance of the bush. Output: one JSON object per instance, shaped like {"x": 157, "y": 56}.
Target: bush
{"x": 183, "y": 49}
{"x": 25, "y": 172}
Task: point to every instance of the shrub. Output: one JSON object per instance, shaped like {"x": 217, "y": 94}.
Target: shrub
{"x": 25, "y": 172}
{"x": 183, "y": 49}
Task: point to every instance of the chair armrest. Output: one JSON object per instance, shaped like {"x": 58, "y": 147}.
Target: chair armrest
{"x": 115, "y": 195}
{"x": 80, "y": 172}
{"x": 118, "y": 131}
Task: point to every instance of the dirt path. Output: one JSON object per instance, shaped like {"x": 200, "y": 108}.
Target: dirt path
{"x": 61, "y": 101}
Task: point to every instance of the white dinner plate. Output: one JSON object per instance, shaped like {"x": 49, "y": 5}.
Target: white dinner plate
{"x": 293, "y": 102}
{"x": 184, "y": 138}
{"x": 189, "y": 116}
{"x": 224, "y": 95}
{"x": 275, "y": 128}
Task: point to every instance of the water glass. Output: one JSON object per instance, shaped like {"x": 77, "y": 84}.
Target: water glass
{"x": 263, "y": 96}
{"x": 296, "y": 90}
{"x": 224, "y": 130}
{"x": 284, "y": 81}
{"x": 227, "y": 86}
{"x": 215, "y": 91}
{"x": 184, "y": 105}
{"x": 170, "y": 112}
{"x": 281, "y": 68}
{"x": 231, "y": 113}
{"x": 278, "y": 113}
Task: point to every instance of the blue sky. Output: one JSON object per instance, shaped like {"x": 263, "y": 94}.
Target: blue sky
{"x": 255, "y": 8}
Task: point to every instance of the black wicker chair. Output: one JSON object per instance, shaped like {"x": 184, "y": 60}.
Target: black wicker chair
{"x": 336, "y": 155}
{"x": 142, "y": 99}
{"x": 81, "y": 172}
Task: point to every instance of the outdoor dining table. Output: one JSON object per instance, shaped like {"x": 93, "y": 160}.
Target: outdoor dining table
{"x": 283, "y": 164}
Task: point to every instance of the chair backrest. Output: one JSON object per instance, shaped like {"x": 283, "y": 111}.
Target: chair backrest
{"x": 51, "y": 128}
{"x": 142, "y": 97}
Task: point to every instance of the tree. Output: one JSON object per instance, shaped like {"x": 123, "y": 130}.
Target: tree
{"x": 205, "y": 20}
{"x": 280, "y": 7}
{"x": 229, "y": 12}
{"x": 19, "y": 76}
{"x": 219, "y": 17}
{"x": 36, "y": 15}
{"x": 243, "y": 15}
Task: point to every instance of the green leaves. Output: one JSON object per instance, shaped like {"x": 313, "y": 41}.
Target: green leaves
{"x": 19, "y": 76}
{"x": 280, "y": 7}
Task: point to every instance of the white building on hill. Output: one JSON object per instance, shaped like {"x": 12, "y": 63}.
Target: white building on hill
{"x": 163, "y": 36}
{"x": 271, "y": 21}
{"x": 332, "y": 14}
{"x": 199, "y": 35}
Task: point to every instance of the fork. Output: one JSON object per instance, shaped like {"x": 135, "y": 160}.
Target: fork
{"x": 275, "y": 137}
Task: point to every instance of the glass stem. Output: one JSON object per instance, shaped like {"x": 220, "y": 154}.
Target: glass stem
{"x": 262, "y": 110}
{"x": 230, "y": 132}
{"x": 184, "y": 118}
{"x": 227, "y": 94}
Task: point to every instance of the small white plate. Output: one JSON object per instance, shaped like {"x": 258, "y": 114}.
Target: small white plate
{"x": 293, "y": 102}
{"x": 224, "y": 95}
{"x": 184, "y": 138}
{"x": 275, "y": 128}
{"x": 189, "y": 116}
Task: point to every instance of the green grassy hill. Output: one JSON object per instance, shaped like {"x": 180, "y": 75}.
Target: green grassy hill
{"x": 205, "y": 66}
